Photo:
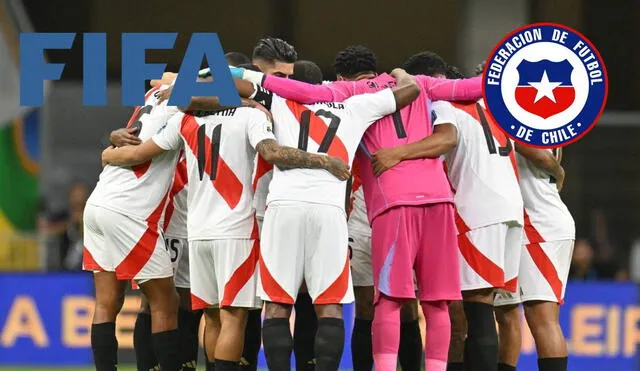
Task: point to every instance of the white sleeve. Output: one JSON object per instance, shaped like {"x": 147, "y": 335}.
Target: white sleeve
{"x": 373, "y": 106}
{"x": 168, "y": 138}
{"x": 443, "y": 113}
{"x": 259, "y": 127}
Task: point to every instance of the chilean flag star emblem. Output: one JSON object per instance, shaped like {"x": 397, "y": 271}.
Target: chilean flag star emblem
{"x": 544, "y": 87}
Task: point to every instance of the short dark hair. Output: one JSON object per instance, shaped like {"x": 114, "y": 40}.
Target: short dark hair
{"x": 272, "y": 49}
{"x": 480, "y": 68}
{"x": 307, "y": 71}
{"x": 236, "y": 58}
{"x": 355, "y": 60}
{"x": 425, "y": 63}
{"x": 249, "y": 66}
{"x": 454, "y": 73}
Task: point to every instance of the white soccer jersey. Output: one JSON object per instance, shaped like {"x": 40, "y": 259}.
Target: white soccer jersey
{"x": 331, "y": 128}
{"x": 358, "y": 221}
{"x": 481, "y": 167}
{"x": 261, "y": 179}
{"x": 175, "y": 214}
{"x": 140, "y": 191}
{"x": 546, "y": 212}
{"x": 220, "y": 152}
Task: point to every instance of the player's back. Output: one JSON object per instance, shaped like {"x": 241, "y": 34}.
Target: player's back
{"x": 411, "y": 182}
{"x": 140, "y": 191}
{"x": 542, "y": 203}
{"x": 481, "y": 167}
{"x": 332, "y": 128}
{"x": 220, "y": 164}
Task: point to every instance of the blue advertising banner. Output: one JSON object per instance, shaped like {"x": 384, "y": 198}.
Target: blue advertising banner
{"x": 45, "y": 320}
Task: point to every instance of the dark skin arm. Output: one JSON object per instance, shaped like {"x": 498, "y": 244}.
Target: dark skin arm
{"x": 245, "y": 90}
{"x": 124, "y": 137}
{"x": 406, "y": 90}
{"x": 544, "y": 160}
{"x": 286, "y": 158}
{"x": 131, "y": 155}
{"x": 283, "y": 157}
{"x": 443, "y": 139}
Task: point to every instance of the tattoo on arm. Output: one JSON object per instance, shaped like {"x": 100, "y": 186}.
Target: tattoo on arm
{"x": 287, "y": 158}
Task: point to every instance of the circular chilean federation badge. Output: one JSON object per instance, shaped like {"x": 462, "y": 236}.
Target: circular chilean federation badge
{"x": 545, "y": 85}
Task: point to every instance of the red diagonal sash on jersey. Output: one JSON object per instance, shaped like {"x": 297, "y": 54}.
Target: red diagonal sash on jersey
{"x": 262, "y": 167}
{"x": 495, "y": 131}
{"x": 318, "y": 129}
{"x": 225, "y": 182}
{"x": 141, "y": 169}
{"x": 179, "y": 181}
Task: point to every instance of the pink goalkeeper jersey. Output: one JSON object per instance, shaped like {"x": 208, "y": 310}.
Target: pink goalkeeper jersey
{"x": 413, "y": 182}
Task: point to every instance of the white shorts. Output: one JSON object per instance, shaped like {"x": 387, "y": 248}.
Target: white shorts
{"x": 304, "y": 241}
{"x": 179, "y": 251}
{"x": 544, "y": 269}
{"x": 360, "y": 253}
{"x": 490, "y": 257}
{"x": 223, "y": 273}
{"x": 132, "y": 248}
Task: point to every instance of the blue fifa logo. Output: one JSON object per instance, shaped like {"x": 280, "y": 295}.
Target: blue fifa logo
{"x": 135, "y": 71}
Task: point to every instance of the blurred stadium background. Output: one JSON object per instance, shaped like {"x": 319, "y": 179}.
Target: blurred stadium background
{"x": 49, "y": 156}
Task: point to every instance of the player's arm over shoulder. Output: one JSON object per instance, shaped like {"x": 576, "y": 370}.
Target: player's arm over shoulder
{"x": 374, "y": 106}
{"x": 286, "y": 158}
{"x": 131, "y": 155}
{"x": 544, "y": 160}
{"x": 167, "y": 139}
{"x": 451, "y": 89}
{"x": 260, "y": 134}
{"x": 407, "y": 88}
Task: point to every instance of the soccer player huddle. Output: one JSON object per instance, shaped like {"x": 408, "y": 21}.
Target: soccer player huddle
{"x": 394, "y": 190}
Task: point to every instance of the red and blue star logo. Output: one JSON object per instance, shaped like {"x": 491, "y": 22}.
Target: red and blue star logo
{"x": 545, "y": 85}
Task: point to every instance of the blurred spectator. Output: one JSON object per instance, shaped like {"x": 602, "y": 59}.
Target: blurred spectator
{"x": 63, "y": 232}
{"x": 606, "y": 255}
{"x": 582, "y": 261}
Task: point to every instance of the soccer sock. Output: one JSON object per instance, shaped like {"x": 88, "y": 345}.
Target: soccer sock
{"x": 188, "y": 325}
{"x": 438, "y": 326}
{"x": 166, "y": 345}
{"x": 481, "y": 346}
{"x": 304, "y": 332}
{"x": 505, "y": 367}
{"x": 553, "y": 364}
{"x": 277, "y": 343}
{"x": 252, "y": 338}
{"x": 329, "y": 344}
{"x": 361, "y": 353}
{"x": 145, "y": 358}
{"x": 104, "y": 346}
{"x": 410, "y": 349}
{"x": 386, "y": 334}
{"x": 222, "y": 365}
{"x": 455, "y": 366}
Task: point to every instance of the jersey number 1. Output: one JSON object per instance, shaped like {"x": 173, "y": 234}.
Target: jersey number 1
{"x": 214, "y": 150}
{"x": 305, "y": 121}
